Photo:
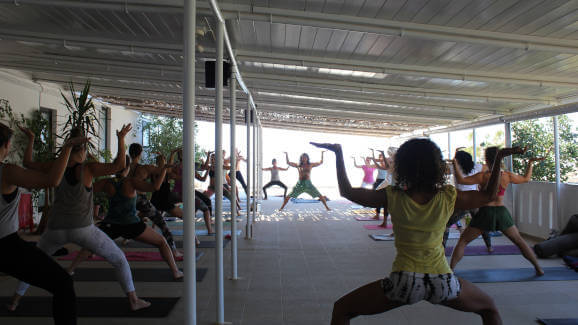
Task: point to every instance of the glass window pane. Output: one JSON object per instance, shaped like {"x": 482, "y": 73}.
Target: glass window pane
{"x": 489, "y": 136}
{"x": 568, "y": 142}
{"x": 538, "y": 136}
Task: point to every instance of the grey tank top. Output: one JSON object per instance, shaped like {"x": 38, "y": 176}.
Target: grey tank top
{"x": 73, "y": 204}
{"x": 8, "y": 212}
{"x": 275, "y": 175}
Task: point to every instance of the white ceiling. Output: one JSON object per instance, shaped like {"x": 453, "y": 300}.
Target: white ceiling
{"x": 380, "y": 67}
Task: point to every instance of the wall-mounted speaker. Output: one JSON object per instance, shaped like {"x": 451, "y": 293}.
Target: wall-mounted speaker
{"x": 210, "y": 73}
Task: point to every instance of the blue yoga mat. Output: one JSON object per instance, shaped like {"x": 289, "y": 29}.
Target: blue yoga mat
{"x": 203, "y": 232}
{"x": 558, "y": 321}
{"x": 517, "y": 275}
{"x": 299, "y": 200}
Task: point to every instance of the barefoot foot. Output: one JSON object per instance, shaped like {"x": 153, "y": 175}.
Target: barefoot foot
{"x": 539, "y": 272}
{"x": 139, "y": 304}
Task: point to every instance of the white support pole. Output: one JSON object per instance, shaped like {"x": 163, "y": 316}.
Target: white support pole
{"x": 474, "y": 141}
{"x": 189, "y": 163}
{"x": 248, "y": 226}
{"x": 449, "y": 146}
{"x": 260, "y": 170}
{"x": 233, "y": 150}
{"x": 557, "y": 162}
{"x": 508, "y": 136}
{"x": 253, "y": 144}
{"x": 220, "y": 294}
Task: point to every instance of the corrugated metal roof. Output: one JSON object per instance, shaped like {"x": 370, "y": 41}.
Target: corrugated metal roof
{"x": 416, "y": 63}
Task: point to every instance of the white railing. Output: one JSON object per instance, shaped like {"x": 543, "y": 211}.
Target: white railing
{"x": 534, "y": 207}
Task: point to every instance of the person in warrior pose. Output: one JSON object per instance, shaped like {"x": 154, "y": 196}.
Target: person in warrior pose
{"x": 304, "y": 184}
{"x": 466, "y": 162}
{"x": 238, "y": 174}
{"x": 368, "y": 170}
{"x": 494, "y": 215}
{"x": 21, "y": 260}
{"x": 143, "y": 205}
{"x": 275, "y": 179}
{"x": 122, "y": 219}
{"x": 226, "y": 189}
{"x": 71, "y": 218}
{"x": 420, "y": 206}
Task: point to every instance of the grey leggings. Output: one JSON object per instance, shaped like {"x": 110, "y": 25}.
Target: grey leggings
{"x": 94, "y": 240}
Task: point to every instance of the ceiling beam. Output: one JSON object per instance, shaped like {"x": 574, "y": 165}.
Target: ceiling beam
{"x": 296, "y": 59}
{"x": 332, "y": 21}
{"x": 166, "y": 69}
{"x": 405, "y": 69}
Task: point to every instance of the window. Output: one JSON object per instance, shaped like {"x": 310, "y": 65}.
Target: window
{"x": 104, "y": 121}
{"x": 47, "y": 135}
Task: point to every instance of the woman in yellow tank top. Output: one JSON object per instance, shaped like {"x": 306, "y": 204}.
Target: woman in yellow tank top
{"x": 420, "y": 206}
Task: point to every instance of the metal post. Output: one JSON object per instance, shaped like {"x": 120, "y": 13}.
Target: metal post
{"x": 219, "y": 176}
{"x": 248, "y": 114}
{"x": 190, "y": 282}
{"x": 233, "y": 123}
{"x": 254, "y": 204}
{"x": 449, "y": 146}
{"x": 474, "y": 141}
{"x": 557, "y": 162}
{"x": 508, "y": 136}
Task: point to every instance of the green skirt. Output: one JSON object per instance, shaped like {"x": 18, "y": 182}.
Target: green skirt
{"x": 304, "y": 186}
{"x": 492, "y": 219}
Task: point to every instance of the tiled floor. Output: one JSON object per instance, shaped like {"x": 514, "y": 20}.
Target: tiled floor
{"x": 301, "y": 260}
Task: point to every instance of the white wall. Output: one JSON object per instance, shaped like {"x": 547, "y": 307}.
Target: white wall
{"x": 25, "y": 95}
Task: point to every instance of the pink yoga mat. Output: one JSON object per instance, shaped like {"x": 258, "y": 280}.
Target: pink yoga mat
{"x": 130, "y": 256}
{"x": 376, "y": 227}
{"x": 482, "y": 250}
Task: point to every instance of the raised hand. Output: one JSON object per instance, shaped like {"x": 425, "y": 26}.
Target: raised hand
{"x": 27, "y": 131}
{"x": 533, "y": 159}
{"x": 126, "y": 128}
{"x": 329, "y": 146}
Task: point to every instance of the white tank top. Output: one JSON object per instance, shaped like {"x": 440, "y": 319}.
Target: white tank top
{"x": 8, "y": 212}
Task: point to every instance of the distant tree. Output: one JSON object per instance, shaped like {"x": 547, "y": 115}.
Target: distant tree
{"x": 538, "y": 136}
{"x": 162, "y": 134}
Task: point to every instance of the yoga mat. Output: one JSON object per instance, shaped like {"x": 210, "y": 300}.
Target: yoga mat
{"x": 517, "y": 275}
{"x": 558, "y": 321}
{"x": 138, "y": 274}
{"x": 367, "y": 219}
{"x": 382, "y": 237}
{"x": 377, "y": 227}
{"x": 387, "y": 237}
{"x": 130, "y": 256}
{"x": 355, "y": 207}
{"x": 299, "y": 200}
{"x": 482, "y": 250}
{"x": 203, "y": 232}
{"x": 110, "y": 307}
{"x": 178, "y": 243}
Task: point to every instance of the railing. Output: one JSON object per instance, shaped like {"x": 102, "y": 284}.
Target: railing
{"x": 534, "y": 207}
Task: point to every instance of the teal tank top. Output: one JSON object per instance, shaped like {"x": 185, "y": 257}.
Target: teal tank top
{"x": 121, "y": 209}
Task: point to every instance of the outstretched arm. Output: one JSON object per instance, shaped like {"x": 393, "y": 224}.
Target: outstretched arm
{"x": 320, "y": 162}
{"x": 355, "y": 163}
{"x": 15, "y": 175}
{"x": 519, "y": 179}
{"x": 467, "y": 180}
{"x": 476, "y": 199}
{"x": 144, "y": 186}
{"x": 365, "y": 197}
{"x": 100, "y": 169}
{"x": 288, "y": 162}
{"x": 267, "y": 169}
{"x": 28, "y": 162}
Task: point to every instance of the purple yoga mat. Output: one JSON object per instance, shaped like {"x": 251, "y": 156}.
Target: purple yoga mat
{"x": 367, "y": 219}
{"x": 481, "y": 250}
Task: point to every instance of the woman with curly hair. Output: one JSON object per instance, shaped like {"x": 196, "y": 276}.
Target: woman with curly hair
{"x": 304, "y": 184}
{"x": 420, "y": 206}
{"x": 494, "y": 215}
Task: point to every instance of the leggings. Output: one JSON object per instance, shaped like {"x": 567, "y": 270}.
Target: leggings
{"x": 26, "y": 262}
{"x": 240, "y": 178}
{"x": 147, "y": 210}
{"x": 273, "y": 183}
{"x": 92, "y": 239}
{"x": 457, "y": 216}
{"x": 205, "y": 199}
{"x": 375, "y": 185}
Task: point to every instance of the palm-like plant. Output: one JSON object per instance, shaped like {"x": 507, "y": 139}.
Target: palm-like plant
{"x": 82, "y": 115}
